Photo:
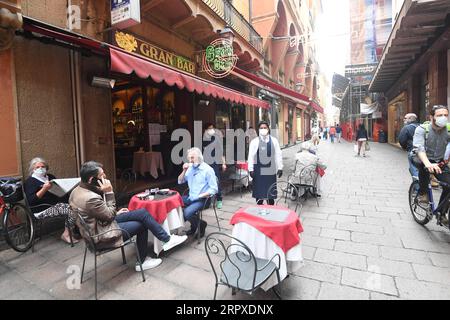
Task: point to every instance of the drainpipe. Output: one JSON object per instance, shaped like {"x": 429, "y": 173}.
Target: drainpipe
{"x": 77, "y": 108}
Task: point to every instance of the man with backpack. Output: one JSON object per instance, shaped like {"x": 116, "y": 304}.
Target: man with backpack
{"x": 405, "y": 138}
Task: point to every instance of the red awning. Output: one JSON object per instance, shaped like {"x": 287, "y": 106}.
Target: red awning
{"x": 127, "y": 63}
{"x": 65, "y": 36}
{"x": 316, "y": 107}
{"x": 279, "y": 89}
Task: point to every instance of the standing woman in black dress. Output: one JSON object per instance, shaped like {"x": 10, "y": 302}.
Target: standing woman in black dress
{"x": 265, "y": 162}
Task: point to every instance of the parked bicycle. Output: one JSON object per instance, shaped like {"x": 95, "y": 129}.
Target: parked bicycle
{"x": 424, "y": 212}
{"x": 16, "y": 220}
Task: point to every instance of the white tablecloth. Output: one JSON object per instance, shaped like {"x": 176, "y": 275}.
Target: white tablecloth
{"x": 174, "y": 220}
{"x": 263, "y": 247}
{"x": 148, "y": 162}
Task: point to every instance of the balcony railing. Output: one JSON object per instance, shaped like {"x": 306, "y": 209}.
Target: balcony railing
{"x": 236, "y": 21}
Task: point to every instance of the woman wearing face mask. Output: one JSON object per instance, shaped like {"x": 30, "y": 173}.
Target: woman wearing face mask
{"x": 36, "y": 190}
{"x": 214, "y": 156}
{"x": 265, "y": 162}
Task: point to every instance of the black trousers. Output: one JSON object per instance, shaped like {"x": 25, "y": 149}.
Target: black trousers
{"x": 424, "y": 180}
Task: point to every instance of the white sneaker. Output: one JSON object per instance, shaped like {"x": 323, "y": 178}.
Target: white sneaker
{"x": 149, "y": 263}
{"x": 174, "y": 241}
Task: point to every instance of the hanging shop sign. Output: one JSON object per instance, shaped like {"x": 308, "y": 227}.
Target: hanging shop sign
{"x": 132, "y": 44}
{"x": 125, "y": 13}
{"x": 219, "y": 58}
{"x": 360, "y": 70}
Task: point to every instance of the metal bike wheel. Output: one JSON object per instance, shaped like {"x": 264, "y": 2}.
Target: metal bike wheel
{"x": 420, "y": 212}
{"x": 18, "y": 228}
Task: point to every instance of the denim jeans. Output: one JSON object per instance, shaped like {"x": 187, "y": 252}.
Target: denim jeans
{"x": 191, "y": 209}
{"x": 138, "y": 222}
{"x": 412, "y": 168}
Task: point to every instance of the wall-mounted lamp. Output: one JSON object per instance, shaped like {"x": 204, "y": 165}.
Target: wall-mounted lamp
{"x": 226, "y": 33}
{"x": 202, "y": 103}
{"x": 103, "y": 82}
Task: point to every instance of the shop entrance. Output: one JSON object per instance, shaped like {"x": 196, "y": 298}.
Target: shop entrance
{"x": 144, "y": 117}
{"x": 396, "y": 112}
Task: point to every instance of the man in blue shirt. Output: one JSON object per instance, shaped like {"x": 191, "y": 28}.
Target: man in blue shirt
{"x": 202, "y": 183}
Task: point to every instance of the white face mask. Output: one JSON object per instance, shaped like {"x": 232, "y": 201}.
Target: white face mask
{"x": 40, "y": 172}
{"x": 211, "y": 132}
{"x": 441, "y": 121}
{"x": 263, "y": 132}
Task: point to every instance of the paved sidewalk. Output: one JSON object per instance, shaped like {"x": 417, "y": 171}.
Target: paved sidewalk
{"x": 361, "y": 243}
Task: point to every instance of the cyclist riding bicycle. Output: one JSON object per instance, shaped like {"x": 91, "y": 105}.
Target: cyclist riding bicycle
{"x": 429, "y": 145}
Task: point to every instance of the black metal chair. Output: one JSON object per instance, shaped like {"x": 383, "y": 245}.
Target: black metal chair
{"x": 39, "y": 222}
{"x": 238, "y": 177}
{"x": 212, "y": 199}
{"x": 92, "y": 247}
{"x": 235, "y": 266}
{"x": 306, "y": 182}
{"x": 284, "y": 193}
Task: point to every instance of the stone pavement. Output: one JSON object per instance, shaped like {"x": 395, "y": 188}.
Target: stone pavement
{"x": 360, "y": 243}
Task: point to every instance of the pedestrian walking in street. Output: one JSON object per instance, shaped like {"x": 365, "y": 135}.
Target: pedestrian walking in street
{"x": 361, "y": 139}
{"x": 45, "y": 204}
{"x": 265, "y": 163}
{"x": 405, "y": 138}
{"x": 338, "y": 132}
{"x": 325, "y": 133}
{"x": 95, "y": 202}
{"x": 332, "y": 134}
{"x": 214, "y": 155}
{"x": 315, "y": 136}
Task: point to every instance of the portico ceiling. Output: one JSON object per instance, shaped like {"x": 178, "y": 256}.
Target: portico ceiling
{"x": 419, "y": 24}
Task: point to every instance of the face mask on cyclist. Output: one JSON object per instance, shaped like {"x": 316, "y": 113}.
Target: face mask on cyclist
{"x": 441, "y": 121}
{"x": 40, "y": 172}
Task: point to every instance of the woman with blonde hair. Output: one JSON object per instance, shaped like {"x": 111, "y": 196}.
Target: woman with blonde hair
{"x": 45, "y": 204}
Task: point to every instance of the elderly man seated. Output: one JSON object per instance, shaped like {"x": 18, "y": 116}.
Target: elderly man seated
{"x": 307, "y": 157}
{"x": 202, "y": 183}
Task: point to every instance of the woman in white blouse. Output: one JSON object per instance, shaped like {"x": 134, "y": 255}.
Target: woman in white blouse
{"x": 265, "y": 163}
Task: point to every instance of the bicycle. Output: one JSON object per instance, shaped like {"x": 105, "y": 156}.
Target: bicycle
{"x": 17, "y": 221}
{"x": 423, "y": 213}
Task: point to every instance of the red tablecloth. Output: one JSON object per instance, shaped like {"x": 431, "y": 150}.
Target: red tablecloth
{"x": 284, "y": 234}
{"x": 159, "y": 209}
{"x": 242, "y": 165}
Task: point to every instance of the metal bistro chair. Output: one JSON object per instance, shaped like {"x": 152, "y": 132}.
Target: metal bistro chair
{"x": 212, "y": 199}
{"x": 308, "y": 182}
{"x": 235, "y": 266}
{"x": 90, "y": 244}
{"x": 39, "y": 222}
{"x": 239, "y": 178}
{"x": 285, "y": 193}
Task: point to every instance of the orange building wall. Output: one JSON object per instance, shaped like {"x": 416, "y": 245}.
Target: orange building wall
{"x": 9, "y": 164}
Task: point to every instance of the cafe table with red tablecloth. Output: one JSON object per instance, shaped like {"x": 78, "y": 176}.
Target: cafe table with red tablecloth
{"x": 269, "y": 230}
{"x": 166, "y": 209}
